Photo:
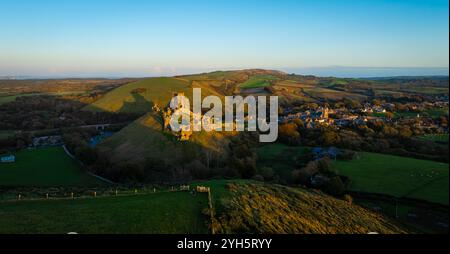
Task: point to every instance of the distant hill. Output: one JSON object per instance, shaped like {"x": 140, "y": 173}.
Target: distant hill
{"x": 139, "y": 96}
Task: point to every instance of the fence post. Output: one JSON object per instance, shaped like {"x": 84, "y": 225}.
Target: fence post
{"x": 95, "y": 194}
{"x": 71, "y": 195}
{"x": 46, "y": 196}
{"x": 19, "y": 197}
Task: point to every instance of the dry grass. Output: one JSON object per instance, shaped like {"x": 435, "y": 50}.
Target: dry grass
{"x": 265, "y": 209}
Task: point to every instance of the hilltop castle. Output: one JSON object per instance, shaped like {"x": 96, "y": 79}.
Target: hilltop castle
{"x": 166, "y": 115}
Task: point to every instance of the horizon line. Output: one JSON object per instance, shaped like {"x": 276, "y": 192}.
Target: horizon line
{"x": 172, "y": 72}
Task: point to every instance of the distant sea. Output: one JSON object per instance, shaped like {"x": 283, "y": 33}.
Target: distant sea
{"x": 368, "y": 72}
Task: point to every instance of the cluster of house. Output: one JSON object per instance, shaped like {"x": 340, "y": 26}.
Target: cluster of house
{"x": 311, "y": 117}
{"x": 44, "y": 141}
{"x": 320, "y": 117}
{"x": 369, "y": 108}
{"x": 343, "y": 117}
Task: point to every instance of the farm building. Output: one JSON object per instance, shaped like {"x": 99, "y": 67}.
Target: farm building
{"x": 8, "y": 159}
{"x": 320, "y": 152}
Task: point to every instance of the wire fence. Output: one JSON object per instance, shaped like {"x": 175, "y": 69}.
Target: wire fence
{"x": 61, "y": 193}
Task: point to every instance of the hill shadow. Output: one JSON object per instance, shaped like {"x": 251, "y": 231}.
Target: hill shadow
{"x": 139, "y": 105}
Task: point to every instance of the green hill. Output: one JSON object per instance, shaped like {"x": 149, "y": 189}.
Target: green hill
{"x": 145, "y": 139}
{"x": 139, "y": 97}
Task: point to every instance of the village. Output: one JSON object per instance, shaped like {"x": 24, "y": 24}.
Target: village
{"x": 416, "y": 115}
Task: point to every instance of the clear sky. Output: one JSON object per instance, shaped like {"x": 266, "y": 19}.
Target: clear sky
{"x": 149, "y": 38}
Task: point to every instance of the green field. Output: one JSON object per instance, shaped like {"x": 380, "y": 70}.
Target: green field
{"x": 10, "y": 98}
{"x": 397, "y": 176}
{"x": 258, "y": 81}
{"x": 166, "y": 212}
{"x": 427, "y": 90}
{"x": 410, "y": 114}
{"x": 437, "y": 112}
{"x": 44, "y": 167}
{"x": 434, "y": 137}
{"x": 6, "y": 134}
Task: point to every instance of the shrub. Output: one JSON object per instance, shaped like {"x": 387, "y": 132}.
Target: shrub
{"x": 334, "y": 186}
{"x": 348, "y": 198}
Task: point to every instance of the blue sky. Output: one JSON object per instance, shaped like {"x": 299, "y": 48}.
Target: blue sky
{"x": 150, "y": 38}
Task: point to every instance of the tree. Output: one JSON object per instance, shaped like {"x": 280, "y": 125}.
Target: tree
{"x": 389, "y": 115}
{"x": 289, "y": 134}
{"x": 334, "y": 186}
{"x": 330, "y": 137}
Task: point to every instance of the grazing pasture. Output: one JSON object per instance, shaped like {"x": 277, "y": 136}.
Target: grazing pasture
{"x": 163, "y": 213}
{"x": 397, "y": 176}
{"x": 435, "y": 137}
{"x": 44, "y": 167}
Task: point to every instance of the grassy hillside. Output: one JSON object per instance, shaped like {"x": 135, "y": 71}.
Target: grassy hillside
{"x": 397, "y": 176}
{"x": 129, "y": 99}
{"x": 251, "y": 207}
{"x": 144, "y": 138}
{"x": 169, "y": 212}
{"x": 44, "y": 167}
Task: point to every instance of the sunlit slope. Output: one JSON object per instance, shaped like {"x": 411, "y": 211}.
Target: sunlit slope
{"x": 139, "y": 97}
{"x": 251, "y": 207}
